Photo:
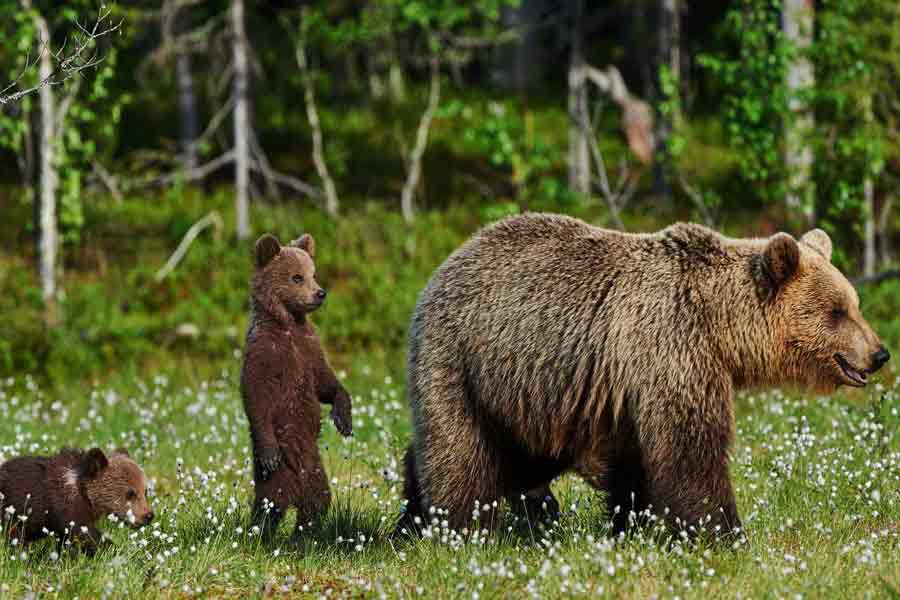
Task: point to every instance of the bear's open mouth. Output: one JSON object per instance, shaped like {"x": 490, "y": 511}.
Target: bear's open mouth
{"x": 852, "y": 376}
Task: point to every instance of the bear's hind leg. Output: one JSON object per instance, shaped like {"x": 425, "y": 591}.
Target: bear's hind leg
{"x": 271, "y": 503}
{"x": 312, "y": 497}
{"x": 627, "y": 493}
{"x": 412, "y": 493}
{"x": 537, "y": 505}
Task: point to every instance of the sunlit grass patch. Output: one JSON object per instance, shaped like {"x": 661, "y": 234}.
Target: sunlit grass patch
{"x": 817, "y": 482}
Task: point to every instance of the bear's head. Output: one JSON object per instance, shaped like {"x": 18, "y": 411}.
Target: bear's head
{"x": 116, "y": 485}
{"x": 285, "y": 281}
{"x": 823, "y": 339}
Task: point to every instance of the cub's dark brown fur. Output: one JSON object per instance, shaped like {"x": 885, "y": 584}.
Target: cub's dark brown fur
{"x": 284, "y": 377}
{"x": 66, "y": 494}
{"x": 545, "y": 345}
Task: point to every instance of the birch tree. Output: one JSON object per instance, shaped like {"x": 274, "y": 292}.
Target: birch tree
{"x": 579, "y": 153}
{"x": 241, "y": 84}
{"x": 797, "y": 22}
{"x": 61, "y": 72}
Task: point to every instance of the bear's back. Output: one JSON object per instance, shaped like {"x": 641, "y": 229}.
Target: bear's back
{"x": 544, "y": 313}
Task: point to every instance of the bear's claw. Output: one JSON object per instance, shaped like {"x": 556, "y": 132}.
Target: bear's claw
{"x": 342, "y": 422}
{"x": 268, "y": 459}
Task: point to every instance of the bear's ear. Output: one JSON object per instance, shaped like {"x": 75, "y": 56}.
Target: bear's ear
{"x": 777, "y": 263}
{"x": 819, "y": 241}
{"x": 307, "y": 243}
{"x": 267, "y": 248}
{"x": 94, "y": 462}
{"x": 122, "y": 452}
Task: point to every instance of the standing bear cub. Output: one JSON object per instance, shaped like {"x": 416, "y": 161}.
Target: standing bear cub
{"x": 284, "y": 377}
{"x": 66, "y": 494}
{"x": 545, "y": 345}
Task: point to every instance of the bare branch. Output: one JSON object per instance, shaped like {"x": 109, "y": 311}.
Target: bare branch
{"x": 697, "y": 199}
{"x": 109, "y": 180}
{"x": 67, "y": 64}
{"x": 289, "y": 181}
{"x": 312, "y": 115}
{"x": 415, "y": 159}
{"x": 197, "y": 173}
{"x": 265, "y": 168}
{"x": 212, "y": 219}
{"x": 877, "y": 277}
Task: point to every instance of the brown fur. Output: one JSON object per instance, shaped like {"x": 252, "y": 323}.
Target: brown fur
{"x": 545, "y": 345}
{"x": 67, "y": 494}
{"x": 284, "y": 377}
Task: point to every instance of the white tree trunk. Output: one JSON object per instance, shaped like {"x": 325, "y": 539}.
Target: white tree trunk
{"x": 241, "y": 121}
{"x": 884, "y": 246}
{"x": 312, "y": 115}
{"x": 187, "y": 109}
{"x": 579, "y": 151}
{"x": 407, "y": 198}
{"x": 48, "y": 243}
{"x": 797, "y": 22}
{"x": 870, "y": 258}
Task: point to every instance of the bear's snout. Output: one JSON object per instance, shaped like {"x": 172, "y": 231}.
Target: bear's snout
{"x": 321, "y": 294}
{"x": 148, "y": 518}
{"x": 880, "y": 358}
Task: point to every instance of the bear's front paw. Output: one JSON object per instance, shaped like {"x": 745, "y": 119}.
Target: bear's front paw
{"x": 268, "y": 460}
{"x": 340, "y": 415}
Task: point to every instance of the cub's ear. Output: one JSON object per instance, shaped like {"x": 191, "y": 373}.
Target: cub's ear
{"x": 93, "y": 463}
{"x": 819, "y": 241}
{"x": 776, "y": 265}
{"x": 122, "y": 452}
{"x": 307, "y": 243}
{"x": 267, "y": 248}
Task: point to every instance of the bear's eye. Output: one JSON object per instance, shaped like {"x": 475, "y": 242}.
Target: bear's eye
{"x": 838, "y": 313}
{"x": 298, "y": 279}
{"x": 131, "y": 495}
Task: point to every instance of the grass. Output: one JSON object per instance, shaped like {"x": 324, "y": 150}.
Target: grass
{"x": 817, "y": 481}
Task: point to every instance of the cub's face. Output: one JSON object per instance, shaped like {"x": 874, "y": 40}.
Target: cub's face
{"x": 828, "y": 341}
{"x": 115, "y": 484}
{"x": 286, "y": 275}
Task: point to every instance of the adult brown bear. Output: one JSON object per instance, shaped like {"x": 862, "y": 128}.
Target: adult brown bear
{"x": 545, "y": 344}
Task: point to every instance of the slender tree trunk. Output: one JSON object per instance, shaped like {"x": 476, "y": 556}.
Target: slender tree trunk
{"x": 187, "y": 107}
{"x": 579, "y": 152}
{"x": 48, "y": 240}
{"x": 884, "y": 240}
{"x": 870, "y": 258}
{"x": 407, "y": 197}
{"x": 870, "y": 263}
{"x": 312, "y": 114}
{"x": 797, "y": 22}
{"x": 241, "y": 121}
{"x": 668, "y": 58}
{"x": 396, "y": 79}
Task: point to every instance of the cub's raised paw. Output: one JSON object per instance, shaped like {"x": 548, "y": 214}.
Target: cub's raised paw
{"x": 342, "y": 422}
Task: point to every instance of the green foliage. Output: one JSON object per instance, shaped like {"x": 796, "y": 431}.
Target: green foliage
{"x": 125, "y": 319}
{"x": 511, "y": 143}
{"x": 89, "y": 105}
{"x": 754, "y": 95}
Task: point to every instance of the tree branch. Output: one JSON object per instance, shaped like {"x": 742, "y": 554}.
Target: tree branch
{"x": 415, "y": 159}
{"x": 877, "y": 277}
{"x": 213, "y": 219}
{"x": 66, "y": 65}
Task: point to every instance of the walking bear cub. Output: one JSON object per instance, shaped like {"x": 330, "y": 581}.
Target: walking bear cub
{"x": 67, "y": 494}
{"x": 547, "y": 345}
{"x": 284, "y": 377}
